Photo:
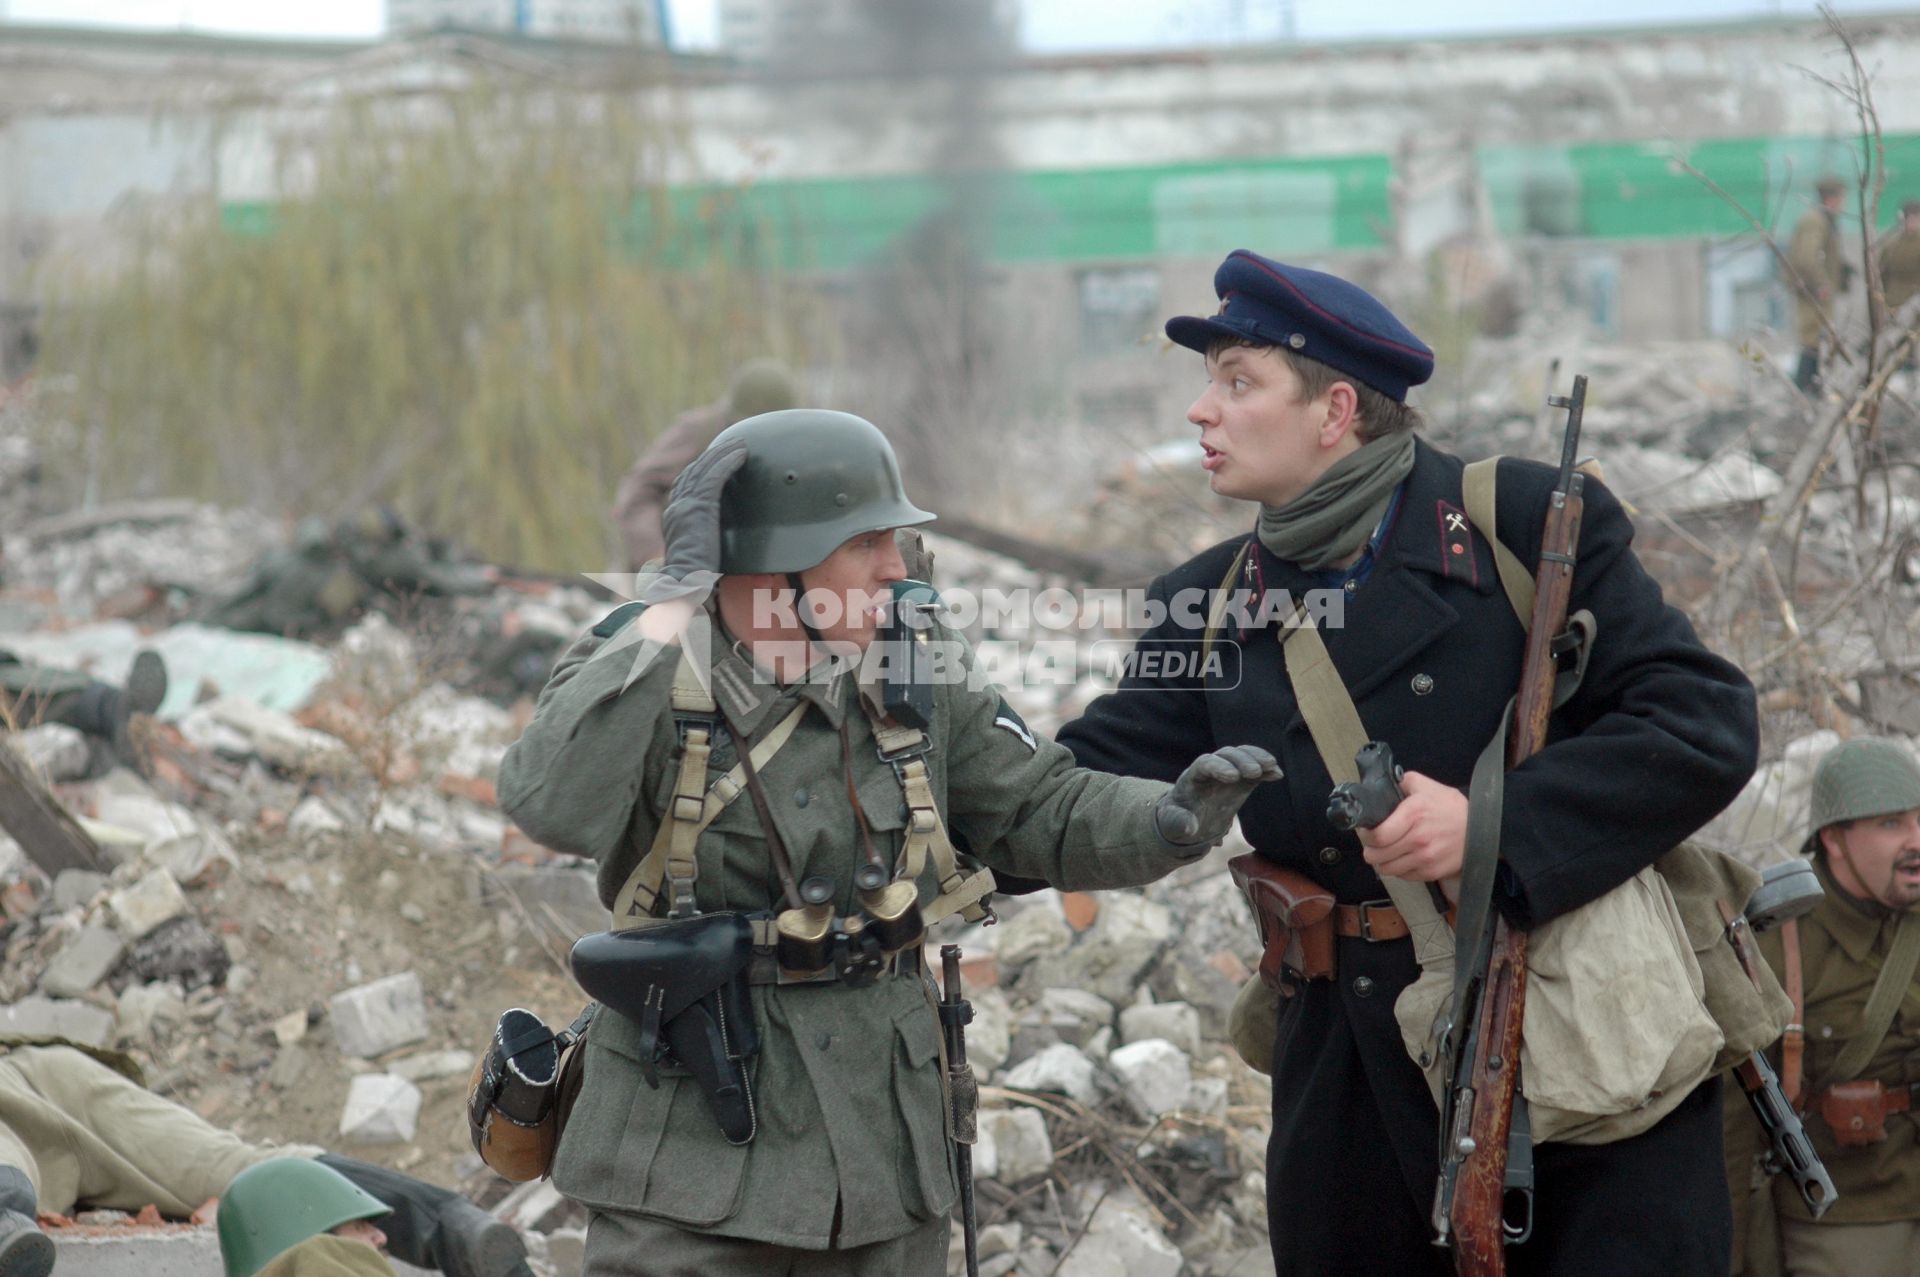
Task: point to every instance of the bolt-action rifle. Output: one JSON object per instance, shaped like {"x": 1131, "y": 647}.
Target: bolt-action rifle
{"x": 1484, "y": 1198}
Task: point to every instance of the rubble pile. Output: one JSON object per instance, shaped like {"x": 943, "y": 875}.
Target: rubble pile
{"x": 311, "y": 910}
{"x": 1118, "y": 1131}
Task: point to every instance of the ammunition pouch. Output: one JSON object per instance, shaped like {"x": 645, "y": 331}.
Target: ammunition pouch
{"x": 684, "y": 984}
{"x": 521, "y": 1091}
{"x": 1857, "y": 1111}
{"x": 1294, "y": 916}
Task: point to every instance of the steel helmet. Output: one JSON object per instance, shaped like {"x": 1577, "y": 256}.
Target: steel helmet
{"x": 813, "y": 479}
{"x": 273, "y": 1206}
{"x": 1867, "y": 776}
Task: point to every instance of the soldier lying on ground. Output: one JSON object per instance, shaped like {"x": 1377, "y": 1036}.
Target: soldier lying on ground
{"x": 289, "y": 1217}
{"x": 75, "y": 1132}
{"x": 33, "y": 694}
{"x": 828, "y": 1153}
{"x": 331, "y": 576}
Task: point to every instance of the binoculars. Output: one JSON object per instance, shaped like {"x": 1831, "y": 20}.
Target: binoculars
{"x": 812, "y": 939}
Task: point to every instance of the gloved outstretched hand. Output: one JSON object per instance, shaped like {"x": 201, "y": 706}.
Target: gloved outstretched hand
{"x": 1199, "y": 810}
{"x": 691, "y": 525}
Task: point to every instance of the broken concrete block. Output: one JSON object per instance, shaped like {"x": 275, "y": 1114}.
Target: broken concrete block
{"x": 143, "y": 905}
{"x": 277, "y": 739}
{"x": 41, "y": 1017}
{"x": 76, "y": 888}
{"x": 989, "y": 1035}
{"x": 1022, "y": 1148}
{"x": 381, "y": 1109}
{"x": 1207, "y": 1097}
{"x": 146, "y": 1006}
{"x": 195, "y": 858}
{"x": 374, "y": 1018}
{"x": 84, "y": 962}
{"x": 1000, "y": 1239}
{"x": 313, "y": 818}
{"x": 145, "y": 814}
{"x": 290, "y": 1028}
{"x": 55, "y": 750}
{"x": 1033, "y": 931}
{"x": 1060, "y": 1068}
{"x": 1121, "y": 1239}
{"x": 1074, "y": 1014}
{"x": 1177, "y": 1022}
{"x": 429, "y": 1065}
{"x": 1155, "y": 1073}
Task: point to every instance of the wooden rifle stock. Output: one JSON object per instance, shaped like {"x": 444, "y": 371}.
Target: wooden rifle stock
{"x": 1478, "y": 1215}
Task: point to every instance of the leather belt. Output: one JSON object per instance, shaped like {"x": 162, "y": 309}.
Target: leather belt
{"x": 1376, "y": 920}
{"x": 1896, "y": 1098}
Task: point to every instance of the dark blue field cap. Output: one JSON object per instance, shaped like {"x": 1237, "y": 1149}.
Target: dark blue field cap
{"x": 1311, "y": 313}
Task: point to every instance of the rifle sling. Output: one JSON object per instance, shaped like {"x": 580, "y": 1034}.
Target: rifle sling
{"x": 1893, "y": 983}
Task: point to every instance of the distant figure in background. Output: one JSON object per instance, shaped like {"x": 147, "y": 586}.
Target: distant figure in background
{"x": 31, "y": 694}
{"x": 331, "y": 576}
{"x": 1900, "y": 262}
{"x": 1817, "y": 273}
{"x": 760, "y": 385}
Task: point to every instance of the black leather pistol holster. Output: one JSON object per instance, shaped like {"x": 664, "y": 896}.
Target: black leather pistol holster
{"x": 684, "y": 984}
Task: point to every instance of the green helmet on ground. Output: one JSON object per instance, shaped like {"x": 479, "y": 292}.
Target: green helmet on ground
{"x": 273, "y": 1206}
{"x": 813, "y": 479}
{"x": 1864, "y": 777}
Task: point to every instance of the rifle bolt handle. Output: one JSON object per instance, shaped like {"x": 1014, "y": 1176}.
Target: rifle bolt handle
{"x": 1466, "y": 1146}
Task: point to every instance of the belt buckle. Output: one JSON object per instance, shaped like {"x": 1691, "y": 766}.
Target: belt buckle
{"x": 1366, "y": 919}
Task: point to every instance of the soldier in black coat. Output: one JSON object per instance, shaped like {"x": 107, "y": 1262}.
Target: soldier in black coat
{"x": 1304, "y": 412}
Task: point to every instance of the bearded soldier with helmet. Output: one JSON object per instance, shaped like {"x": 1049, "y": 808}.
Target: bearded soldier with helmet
{"x": 813, "y": 1136}
{"x": 1851, "y": 1058}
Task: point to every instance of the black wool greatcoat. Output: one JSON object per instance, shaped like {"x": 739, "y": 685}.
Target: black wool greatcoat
{"x": 1660, "y": 737}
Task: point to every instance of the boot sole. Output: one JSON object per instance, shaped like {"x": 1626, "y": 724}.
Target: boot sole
{"x": 146, "y": 687}
{"x": 27, "y": 1253}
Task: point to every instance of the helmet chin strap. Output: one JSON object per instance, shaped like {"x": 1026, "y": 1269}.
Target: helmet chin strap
{"x": 800, "y": 613}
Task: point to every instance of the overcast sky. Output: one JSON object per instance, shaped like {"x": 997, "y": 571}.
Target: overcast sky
{"x": 1048, "y": 24}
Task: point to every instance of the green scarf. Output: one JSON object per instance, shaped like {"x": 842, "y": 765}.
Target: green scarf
{"x": 1334, "y": 518}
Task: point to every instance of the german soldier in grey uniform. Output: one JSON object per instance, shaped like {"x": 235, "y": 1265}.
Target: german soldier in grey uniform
{"x": 839, "y": 1162}
{"x": 1304, "y": 412}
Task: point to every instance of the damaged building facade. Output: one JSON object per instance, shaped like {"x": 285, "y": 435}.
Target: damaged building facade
{"x": 1480, "y": 179}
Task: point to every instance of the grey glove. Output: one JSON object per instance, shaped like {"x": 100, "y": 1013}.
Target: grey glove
{"x": 691, "y": 525}
{"x": 1199, "y": 810}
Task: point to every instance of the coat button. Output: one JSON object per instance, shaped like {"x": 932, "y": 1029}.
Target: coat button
{"x": 1363, "y": 987}
{"x": 1329, "y": 855}
{"x": 825, "y": 1040}
{"x": 1422, "y": 684}
{"x": 801, "y": 797}
{"x": 1351, "y": 586}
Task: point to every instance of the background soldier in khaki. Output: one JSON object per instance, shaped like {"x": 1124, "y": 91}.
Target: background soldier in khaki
{"x": 1900, "y": 262}
{"x": 1857, "y": 1060}
{"x": 760, "y": 385}
{"x": 844, "y": 1167}
{"x": 76, "y": 1130}
{"x": 1817, "y": 274}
